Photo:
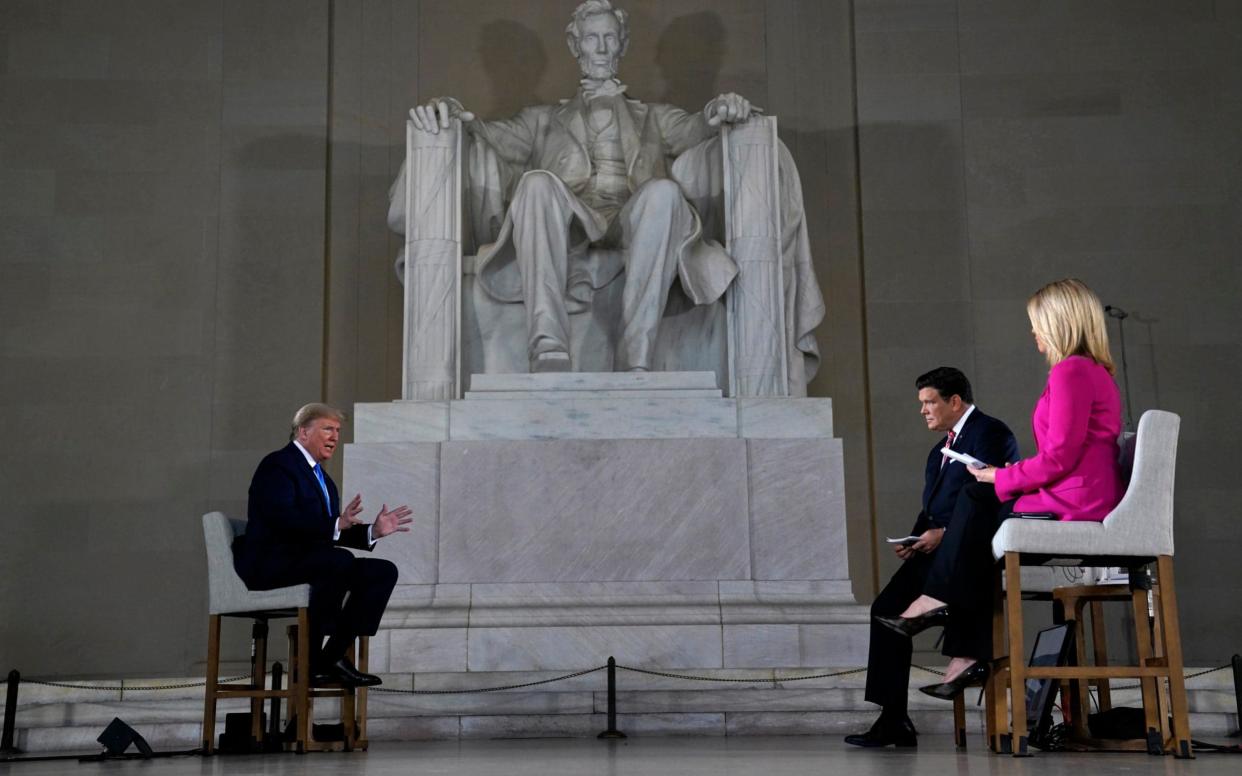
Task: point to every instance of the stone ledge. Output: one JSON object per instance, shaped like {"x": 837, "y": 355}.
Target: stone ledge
{"x": 593, "y": 381}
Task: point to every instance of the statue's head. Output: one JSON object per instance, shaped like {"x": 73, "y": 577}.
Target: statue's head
{"x": 598, "y": 36}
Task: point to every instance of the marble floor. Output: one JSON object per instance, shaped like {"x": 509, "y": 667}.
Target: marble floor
{"x": 652, "y": 757}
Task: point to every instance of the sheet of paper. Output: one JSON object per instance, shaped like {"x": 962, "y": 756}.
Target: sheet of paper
{"x": 969, "y": 460}
{"x": 903, "y": 540}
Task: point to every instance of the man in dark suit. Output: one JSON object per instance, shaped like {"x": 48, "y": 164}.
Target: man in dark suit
{"x": 297, "y": 534}
{"x": 946, "y": 402}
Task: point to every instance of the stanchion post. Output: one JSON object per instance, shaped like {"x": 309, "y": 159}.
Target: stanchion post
{"x": 612, "y": 731}
{"x": 10, "y": 714}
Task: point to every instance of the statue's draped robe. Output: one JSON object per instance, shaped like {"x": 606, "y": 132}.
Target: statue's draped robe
{"x": 660, "y": 141}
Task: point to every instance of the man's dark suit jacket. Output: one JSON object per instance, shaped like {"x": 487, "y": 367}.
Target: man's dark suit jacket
{"x": 983, "y": 437}
{"x": 287, "y": 518}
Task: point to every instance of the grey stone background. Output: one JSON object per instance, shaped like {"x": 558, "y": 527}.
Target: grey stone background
{"x": 192, "y": 241}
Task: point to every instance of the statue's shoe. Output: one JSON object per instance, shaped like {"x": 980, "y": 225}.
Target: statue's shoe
{"x": 552, "y": 361}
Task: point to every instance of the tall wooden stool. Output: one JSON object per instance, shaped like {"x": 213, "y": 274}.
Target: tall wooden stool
{"x": 1138, "y": 532}
{"x": 228, "y": 596}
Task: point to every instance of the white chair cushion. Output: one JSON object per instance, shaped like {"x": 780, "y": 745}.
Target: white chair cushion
{"x": 227, "y": 593}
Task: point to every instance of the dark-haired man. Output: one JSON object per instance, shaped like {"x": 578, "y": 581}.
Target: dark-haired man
{"x": 946, "y": 403}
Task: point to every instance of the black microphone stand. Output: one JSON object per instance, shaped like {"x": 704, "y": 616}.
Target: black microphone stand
{"x": 1121, "y": 315}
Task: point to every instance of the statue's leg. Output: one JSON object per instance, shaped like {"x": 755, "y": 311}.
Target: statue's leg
{"x": 654, "y": 224}
{"x": 541, "y": 215}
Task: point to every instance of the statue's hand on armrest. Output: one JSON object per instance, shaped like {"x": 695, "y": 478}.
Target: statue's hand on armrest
{"x": 729, "y": 108}
{"x": 437, "y": 113}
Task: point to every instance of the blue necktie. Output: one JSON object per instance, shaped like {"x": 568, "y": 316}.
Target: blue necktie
{"x": 327, "y": 500}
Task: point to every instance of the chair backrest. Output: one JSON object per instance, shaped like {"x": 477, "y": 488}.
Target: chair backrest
{"x": 223, "y": 585}
{"x": 1145, "y": 513}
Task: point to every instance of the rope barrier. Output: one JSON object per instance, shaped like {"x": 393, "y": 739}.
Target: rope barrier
{"x": 523, "y": 685}
{"x": 491, "y": 689}
{"x": 1187, "y": 677}
{"x": 128, "y": 688}
{"x": 763, "y": 680}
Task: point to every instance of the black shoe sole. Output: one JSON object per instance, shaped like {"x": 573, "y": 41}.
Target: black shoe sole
{"x": 872, "y": 744}
{"x": 913, "y": 626}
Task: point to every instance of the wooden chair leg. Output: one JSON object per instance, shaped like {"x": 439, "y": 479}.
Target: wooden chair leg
{"x": 1081, "y": 688}
{"x": 1172, "y": 638}
{"x": 364, "y": 660}
{"x": 1164, "y": 707}
{"x": 1142, "y": 643}
{"x": 301, "y": 695}
{"x": 213, "y": 679}
{"x": 348, "y": 719}
{"x": 1099, "y": 644}
{"x": 1017, "y": 666}
{"x": 258, "y": 678}
{"x": 959, "y": 721}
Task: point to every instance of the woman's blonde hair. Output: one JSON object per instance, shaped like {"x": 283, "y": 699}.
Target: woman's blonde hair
{"x": 1068, "y": 317}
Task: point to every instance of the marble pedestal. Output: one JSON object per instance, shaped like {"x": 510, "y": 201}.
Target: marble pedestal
{"x": 564, "y": 518}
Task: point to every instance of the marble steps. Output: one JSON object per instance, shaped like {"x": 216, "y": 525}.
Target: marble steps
{"x": 593, "y": 381}
{"x": 595, "y": 385}
{"x": 569, "y": 413}
{"x": 705, "y": 393}
{"x": 59, "y": 719}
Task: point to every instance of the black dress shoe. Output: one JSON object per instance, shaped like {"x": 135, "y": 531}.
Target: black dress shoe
{"x": 343, "y": 673}
{"x": 912, "y": 626}
{"x": 885, "y": 733}
{"x": 947, "y": 691}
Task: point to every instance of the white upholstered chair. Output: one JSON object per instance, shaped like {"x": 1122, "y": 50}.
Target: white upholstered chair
{"x": 1137, "y": 533}
{"x": 228, "y": 596}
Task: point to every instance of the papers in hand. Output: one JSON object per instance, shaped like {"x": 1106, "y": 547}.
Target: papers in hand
{"x": 904, "y": 540}
{"x": 969, "y": 460}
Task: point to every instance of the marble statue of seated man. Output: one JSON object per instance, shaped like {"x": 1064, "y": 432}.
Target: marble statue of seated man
{"x": 595, "y": 173}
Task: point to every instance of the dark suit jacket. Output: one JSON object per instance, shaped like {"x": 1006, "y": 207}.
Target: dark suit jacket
{"x": 983, "y": 437}
{"x": 287, "y": 518}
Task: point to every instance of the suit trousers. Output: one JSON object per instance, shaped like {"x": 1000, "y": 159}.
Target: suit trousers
{"x": 961, "y": 573}
{"x": 888, "y": 656}
{"x": 348, "y": 594}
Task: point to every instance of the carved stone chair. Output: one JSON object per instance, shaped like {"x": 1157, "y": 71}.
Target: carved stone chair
{"x": 228, "y": 596}
{"x": 1136, "y": 534}
{"x": 453, "y": 329}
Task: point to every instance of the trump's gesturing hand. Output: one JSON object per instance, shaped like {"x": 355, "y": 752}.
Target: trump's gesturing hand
{"x": 398, "y": 520}
{"x": 349, "y": 515}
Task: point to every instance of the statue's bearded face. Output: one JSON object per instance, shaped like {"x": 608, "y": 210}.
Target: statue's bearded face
{"x": 599, "y": 46}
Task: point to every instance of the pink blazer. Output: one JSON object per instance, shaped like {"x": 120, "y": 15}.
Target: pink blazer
{"x": 1075, "y": 474}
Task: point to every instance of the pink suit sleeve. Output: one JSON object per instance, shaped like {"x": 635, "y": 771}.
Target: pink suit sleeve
{"x": 1069, "y": 409}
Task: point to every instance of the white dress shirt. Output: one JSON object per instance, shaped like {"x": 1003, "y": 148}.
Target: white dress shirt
{"x": 336, "y": 524}
{"x": 961, "y": 423}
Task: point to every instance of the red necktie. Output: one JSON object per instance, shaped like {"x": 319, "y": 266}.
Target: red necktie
{"x": 949, "y": 443}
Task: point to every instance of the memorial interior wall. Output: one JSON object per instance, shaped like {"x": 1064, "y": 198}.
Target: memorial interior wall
{"x": 192, "y": 201}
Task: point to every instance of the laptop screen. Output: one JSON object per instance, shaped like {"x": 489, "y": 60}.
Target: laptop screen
{"x": 1051, "y": 648}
